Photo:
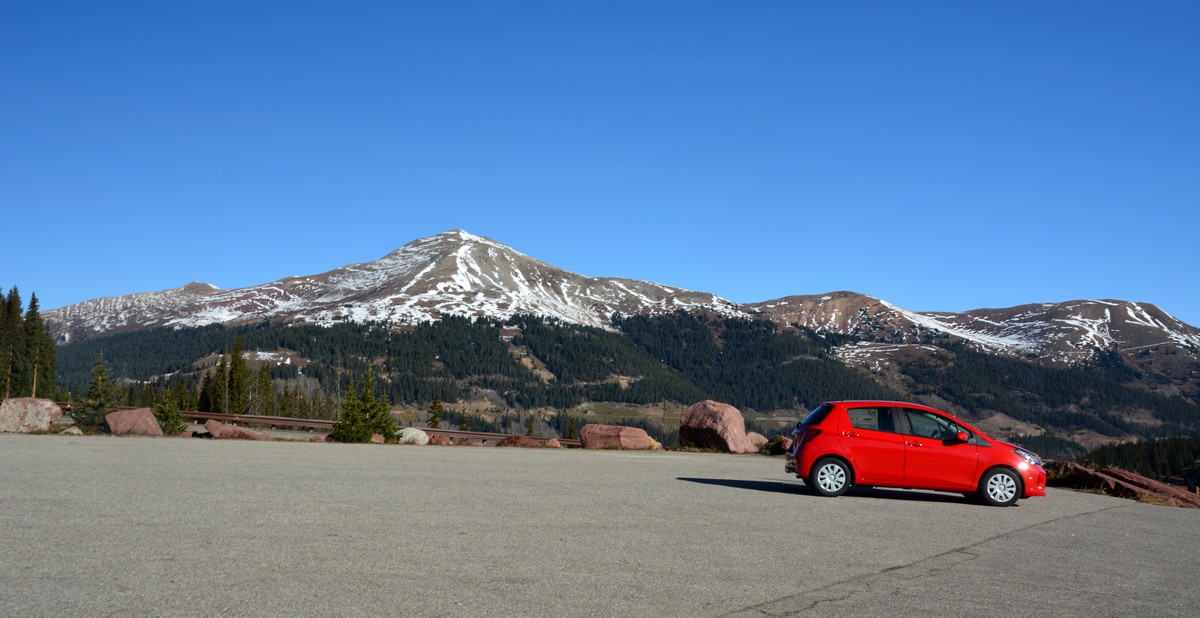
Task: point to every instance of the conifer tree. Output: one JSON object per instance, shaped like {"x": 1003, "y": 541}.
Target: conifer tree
{"x": 41, "y": 351}
{"x": 166, "y": 410}
{"x": 101, "y": 399}
{"x": 379, "y": 411}
{"x": 239, "y": 378}
{"x": 352, "y": 425}
{"x": 435, "y": 413}
{"x": 204, "y": 403}
{"x": 264, "y": 398}
{"x": 364, "y": 413}
{"x": 12, "y": 337}
{"x": 220, "y": 399}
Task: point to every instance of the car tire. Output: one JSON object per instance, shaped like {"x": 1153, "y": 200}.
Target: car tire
{"x": 1000, "y": 487}
{"x": 830, "y": 477}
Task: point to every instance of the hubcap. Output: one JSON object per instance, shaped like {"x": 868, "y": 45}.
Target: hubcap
{"x": 1002, "y": 488}
{"x": 831, "y": 477}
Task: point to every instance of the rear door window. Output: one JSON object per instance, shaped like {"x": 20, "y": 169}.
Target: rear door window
{"x": 873, "y": 419}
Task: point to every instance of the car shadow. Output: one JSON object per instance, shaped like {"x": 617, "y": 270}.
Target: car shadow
{"x": 778, "y": 487}
{"x": 857, "y": 492}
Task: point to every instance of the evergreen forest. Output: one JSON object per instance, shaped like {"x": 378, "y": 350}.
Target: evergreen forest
{"x": 531, "y": 363}
{"x": 28, "y": 358}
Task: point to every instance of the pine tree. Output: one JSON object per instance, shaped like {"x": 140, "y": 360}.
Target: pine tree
{"x": 352, "y": 424}
{"x": 379, "y": 411}
{"x": 220, "y": 399}
{"x": 364, "y": 414}
{"x": 264, "y": 398}
{"x": 435, "y": 413}
{"x": 239, "y": 378}
{"x": 12, "y": 337}
{"x": 101, "y": 399}
{"x": 166, "y": 410}
{"x": 204, "y": 403}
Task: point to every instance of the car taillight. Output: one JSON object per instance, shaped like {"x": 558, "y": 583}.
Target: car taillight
{"x": 807, "y": 434}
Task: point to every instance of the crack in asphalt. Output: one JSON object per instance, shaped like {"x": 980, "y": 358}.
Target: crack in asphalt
{"x": 796, "y": 604}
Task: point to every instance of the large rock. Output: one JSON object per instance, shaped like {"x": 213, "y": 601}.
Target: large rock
{"x": 221, "y": 431}
{"x": 616, "y": 436}
{"x": 714, "y": 425}
{"x": 137, "y": 422}
{"x": 26, "y": 414}
{"x": 1123, "y": 484}
{"x": 412, "y": 435}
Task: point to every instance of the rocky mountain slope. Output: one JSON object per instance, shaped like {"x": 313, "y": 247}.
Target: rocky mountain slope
{"x": 457, "y": 273}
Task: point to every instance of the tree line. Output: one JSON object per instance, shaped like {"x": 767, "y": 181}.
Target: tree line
{"x": 1163, "y": 459}
{"x": 681, "y": 357}
{"x": 27, "y": 352}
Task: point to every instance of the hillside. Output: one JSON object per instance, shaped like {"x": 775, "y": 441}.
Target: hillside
{"x": 533, "y": 363}
{"x": 466, "y": 318}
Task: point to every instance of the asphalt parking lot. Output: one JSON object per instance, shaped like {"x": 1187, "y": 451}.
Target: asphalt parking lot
{"x": 152, "y": 527}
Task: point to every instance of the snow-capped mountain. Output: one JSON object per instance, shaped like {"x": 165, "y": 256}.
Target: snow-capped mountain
{"x": 455, "y": 273}
{"x": 1062, "y": 334}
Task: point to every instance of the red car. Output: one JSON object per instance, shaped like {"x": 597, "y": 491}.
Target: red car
{"x": 842, "y": 444}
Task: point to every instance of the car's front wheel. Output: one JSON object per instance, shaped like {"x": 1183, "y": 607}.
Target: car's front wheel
{"x": 830, "y": 477}
{"x": 1000, "y": 487}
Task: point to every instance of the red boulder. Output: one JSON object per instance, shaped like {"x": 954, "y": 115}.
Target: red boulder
{"x": 714, "y": 425}
{"x": 136, "y": 422}
{"x": 221, "y": 431}
{"x": 616, "y": 436}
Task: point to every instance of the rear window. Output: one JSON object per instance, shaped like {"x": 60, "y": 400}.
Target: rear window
{"x": 817, "y": 415}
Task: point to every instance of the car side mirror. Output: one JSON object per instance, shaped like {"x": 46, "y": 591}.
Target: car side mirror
{"x": 962, "y": 437}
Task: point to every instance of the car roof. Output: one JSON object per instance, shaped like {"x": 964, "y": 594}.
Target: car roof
{"x": 880, "y": 402}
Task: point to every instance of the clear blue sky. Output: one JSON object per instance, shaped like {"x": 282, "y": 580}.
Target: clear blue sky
{"x": 939, "y": 155}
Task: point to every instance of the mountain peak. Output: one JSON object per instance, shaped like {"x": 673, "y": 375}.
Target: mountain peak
{"x": 452, "y": 273}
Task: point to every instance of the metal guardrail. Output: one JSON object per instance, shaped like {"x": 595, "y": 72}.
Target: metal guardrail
{"x": 312, "y": 423}
{"x": 327, "y": 425}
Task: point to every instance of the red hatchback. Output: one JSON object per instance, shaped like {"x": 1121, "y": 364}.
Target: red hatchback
{"x": 842, "y": 444}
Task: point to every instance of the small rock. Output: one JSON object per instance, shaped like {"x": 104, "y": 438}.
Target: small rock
{"x": 412, "y": 435}
{"x": 520, "y": 442}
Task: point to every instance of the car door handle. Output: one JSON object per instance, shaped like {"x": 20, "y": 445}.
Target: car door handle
{"x": 849, "y": 434}
{"x": 913, "y": 444}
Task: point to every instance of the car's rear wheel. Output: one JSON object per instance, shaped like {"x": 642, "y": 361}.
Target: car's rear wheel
{"x": 830, "y": 477}
{"x": 1000, "y": 487}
